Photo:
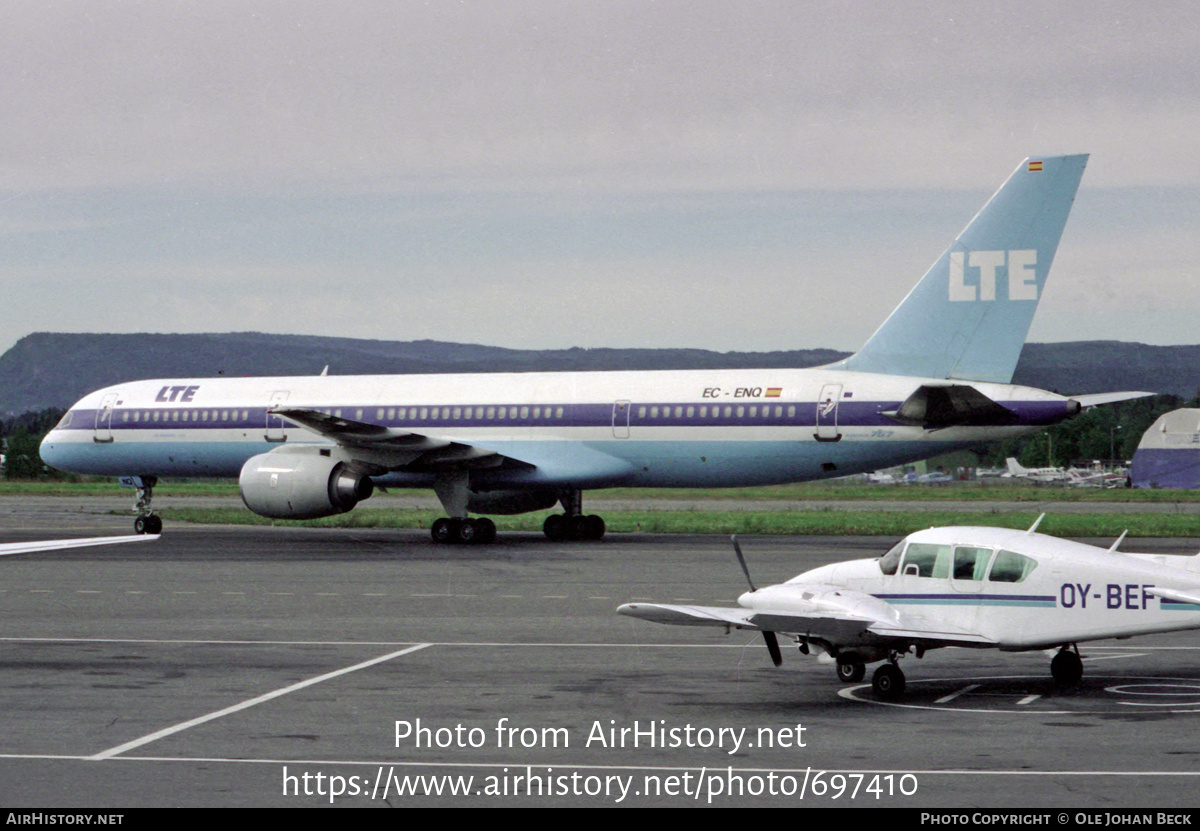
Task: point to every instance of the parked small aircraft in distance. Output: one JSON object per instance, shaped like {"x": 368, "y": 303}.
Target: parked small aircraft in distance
{"x": 9, "y": 548}
{"x": 934, "y": 378}
{"x": 1034, "y": 474}
{"x": 979, "y": 588}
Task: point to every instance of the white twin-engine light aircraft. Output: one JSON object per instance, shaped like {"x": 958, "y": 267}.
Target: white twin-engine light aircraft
{"x": 934, "y": 378}
{"x": 978, "y": 588}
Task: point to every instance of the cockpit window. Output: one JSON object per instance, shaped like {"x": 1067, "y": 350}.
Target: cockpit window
{"x": 890, "y": 561}
{"x": 64, "y": 422}
{"x": 927, "y": 560}
{"x": 1011, "y": 567}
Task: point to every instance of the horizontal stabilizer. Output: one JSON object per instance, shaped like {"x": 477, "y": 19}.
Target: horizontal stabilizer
{"x": 1098, "y": 399}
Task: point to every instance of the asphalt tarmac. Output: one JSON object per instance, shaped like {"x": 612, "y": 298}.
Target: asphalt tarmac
{"x": 283, "y": 667}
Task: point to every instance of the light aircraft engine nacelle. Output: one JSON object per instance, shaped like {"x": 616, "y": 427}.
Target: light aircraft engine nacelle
{"x": 301, "y": 483}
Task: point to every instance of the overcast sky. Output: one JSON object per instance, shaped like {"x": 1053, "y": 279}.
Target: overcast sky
{"x": 731, "y": 176}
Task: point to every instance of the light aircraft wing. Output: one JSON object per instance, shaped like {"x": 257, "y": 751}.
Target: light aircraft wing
{"x": 832, "y": 626}
{"x": 55, "y": 545}
{"x": 389, "y": 447}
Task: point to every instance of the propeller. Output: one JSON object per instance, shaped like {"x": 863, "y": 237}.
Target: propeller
{"x": 769, "y": 637}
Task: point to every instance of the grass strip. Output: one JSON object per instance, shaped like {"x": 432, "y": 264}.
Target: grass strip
{"x": 851, "y": 522}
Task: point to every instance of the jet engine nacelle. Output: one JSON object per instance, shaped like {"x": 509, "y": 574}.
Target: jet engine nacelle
{"x": 301, "y": 483}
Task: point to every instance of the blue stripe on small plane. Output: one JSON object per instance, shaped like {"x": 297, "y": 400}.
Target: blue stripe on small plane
{"x": 1017, "y": 600}
{"x": 1177, "y": 606}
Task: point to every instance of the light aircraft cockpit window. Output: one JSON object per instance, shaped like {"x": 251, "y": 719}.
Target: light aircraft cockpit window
{"x": 970, "y": 563}
{"x": 890, "y": 561}
{"x": 927, "y": 560}
{"x": 1011, "y": 567}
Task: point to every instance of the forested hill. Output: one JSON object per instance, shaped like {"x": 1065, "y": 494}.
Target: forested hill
{"x": 54, "y": 370}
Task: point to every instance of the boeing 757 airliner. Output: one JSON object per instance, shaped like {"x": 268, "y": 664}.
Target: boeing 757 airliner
{"x": 934, "y": 378}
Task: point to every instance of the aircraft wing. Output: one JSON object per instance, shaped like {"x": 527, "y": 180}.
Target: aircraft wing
{"x": 832, "y": 626}
{"x": 689, "y": 615}
{"x": 55, "y": 545}
{"x": 388, "y": 447}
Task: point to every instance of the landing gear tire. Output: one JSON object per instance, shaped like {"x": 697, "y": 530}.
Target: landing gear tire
{"x": 560, "y": 527}
{"x": 1067, "y": 668}
{"x": 148, "y": 524}
{"x": 888, "y": 682}
{"x": 443, "y": 530}
{"x": 486, "y": 531}
{"x": 467, "y": 531}
{"x": 463, "y": 531}
{"x": 851, "y": 669}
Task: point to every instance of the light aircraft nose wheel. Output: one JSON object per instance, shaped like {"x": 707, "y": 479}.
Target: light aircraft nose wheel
{"x": 850, "y": 668}
{"x": 1067, "y": 668}
{"x": 888, "y": 682}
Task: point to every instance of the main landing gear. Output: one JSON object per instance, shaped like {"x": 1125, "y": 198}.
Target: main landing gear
{"x": 464, "y": 531}
{"x": 888, "y": 681}
{"x": 147, "y": 522}
{"x": 573, "y": 525}
{"x": 1067, "y": 667}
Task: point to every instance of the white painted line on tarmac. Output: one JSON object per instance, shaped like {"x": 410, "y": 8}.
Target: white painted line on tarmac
{"x": 167, "y": 731}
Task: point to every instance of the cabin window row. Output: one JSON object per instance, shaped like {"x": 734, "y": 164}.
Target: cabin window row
{"x": 715, "y": 411}
{"x": 960, "y": 562}
{"x": 137, "y": 416}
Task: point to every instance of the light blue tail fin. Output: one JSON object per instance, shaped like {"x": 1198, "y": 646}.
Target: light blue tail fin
{"x": 968, "y": 317}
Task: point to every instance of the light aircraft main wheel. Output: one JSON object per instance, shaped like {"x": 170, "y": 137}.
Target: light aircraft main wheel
{"x": 850, "y": 669}
{"x": 1066, "y": 668}
{"x": 888, "y": 682}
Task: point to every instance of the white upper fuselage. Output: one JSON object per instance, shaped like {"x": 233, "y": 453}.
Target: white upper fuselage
{"x": 592, "y": 429}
